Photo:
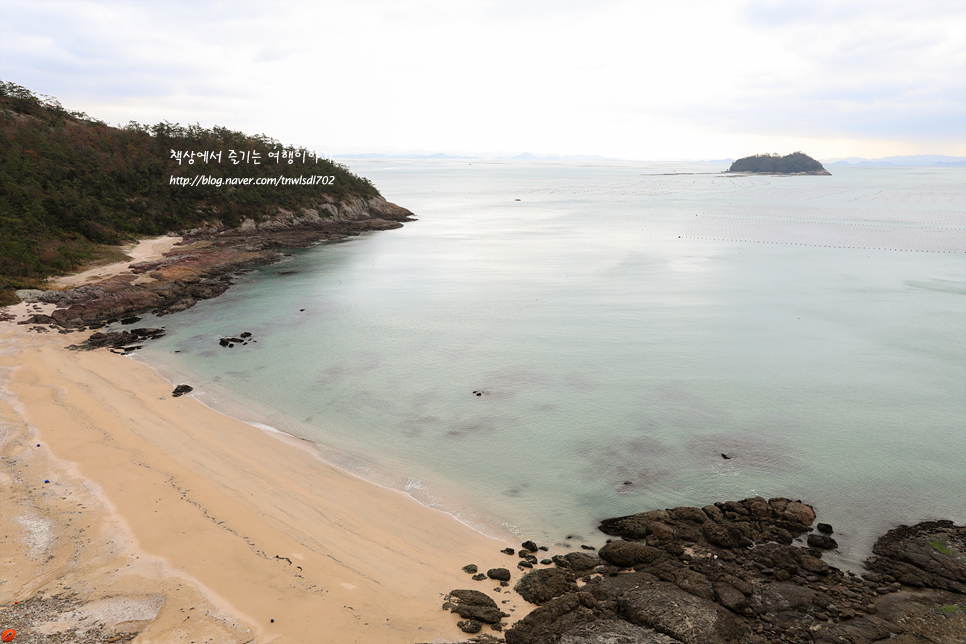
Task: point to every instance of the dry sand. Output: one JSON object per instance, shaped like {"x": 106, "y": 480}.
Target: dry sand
{"x": 142, "y": 251}
{"x": 187, "y": 525}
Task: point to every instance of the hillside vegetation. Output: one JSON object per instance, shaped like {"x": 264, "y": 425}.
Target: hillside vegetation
{"x": 777, "y": 164}
{"x": 71, "y": 186}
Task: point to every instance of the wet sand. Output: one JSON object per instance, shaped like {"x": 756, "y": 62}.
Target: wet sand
{"x": 207, "y": 527}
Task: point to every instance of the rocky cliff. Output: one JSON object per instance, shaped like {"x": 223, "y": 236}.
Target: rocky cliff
{"x": 201, "y": 266}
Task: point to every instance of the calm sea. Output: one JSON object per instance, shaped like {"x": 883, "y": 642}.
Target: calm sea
{"x": 629, "y": 325}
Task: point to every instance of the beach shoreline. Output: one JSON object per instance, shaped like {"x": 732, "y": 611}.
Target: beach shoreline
{"x": 246, "y": 525}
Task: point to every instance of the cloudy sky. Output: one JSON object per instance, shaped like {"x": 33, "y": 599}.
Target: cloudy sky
{"x": 636, "y": 80}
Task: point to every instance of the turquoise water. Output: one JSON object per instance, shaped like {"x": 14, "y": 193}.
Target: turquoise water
{"x": 627, "y": 327}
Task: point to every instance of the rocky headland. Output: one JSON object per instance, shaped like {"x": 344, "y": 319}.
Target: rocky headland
{"x": 736, "y": 572}
{"x": 200, "y": 267}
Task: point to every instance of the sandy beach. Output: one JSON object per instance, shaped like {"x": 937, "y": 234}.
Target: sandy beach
{"x": 188, "y": 525}
{"x": 143, "y": 251}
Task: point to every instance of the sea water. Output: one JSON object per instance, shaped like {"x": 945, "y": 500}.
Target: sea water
{"x": 641, "y": 336}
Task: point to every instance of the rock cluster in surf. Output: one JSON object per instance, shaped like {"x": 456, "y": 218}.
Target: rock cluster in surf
{"x": 737, "y": 572}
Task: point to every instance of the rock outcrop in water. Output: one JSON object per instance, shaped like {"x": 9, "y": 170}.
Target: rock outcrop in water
{"x": 737, "y": 573}
{"x": 200, "y": 267}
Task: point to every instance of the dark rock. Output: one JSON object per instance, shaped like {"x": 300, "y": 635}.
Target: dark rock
{"x": 784, "y": 596}
{"x": 540, "y": 586}
{"x": 824, "y": 528}
{"x": 470, "y": 568}
{"x": 117, "y": 339}
{"x": 500, "y": 574}
{"x": 613, "y": 632}
{"x": 726, "y": 535}
{"x": 662, "y": 531}
{"x": 469, "y": 626}
{"x": 37, "y": 318}
{"x": 479, "y": 577}
{"x": 689, "y": 514}
{"x": 474, "y": 605}
{"x": 547, "y": 623}
{"x": 130, "y": 320}
{"x": 181, "y": 390}
{"x": 714, "y": 513}
{"x": 634, "y": 526}
{"x": 693, "y": 582}
{"x": 814, "y": 565}
{"x": 586, "y": 547}
{"x": 246, "y": 334}
{"x": 529, "y": 546}
{"x": 546, "y": 562}
{"x": 508, "y": 551}
{"x": 730, "y": 597}
{"x": 680, "y": 615}
{"x": 628, "y": 554}
{"x": 930, "y": 555}
{"x": 696, "y": 580}
{"x": 577, "y": 561}
{"x": 822, "y": 541}
{"x": 798, "y": 512}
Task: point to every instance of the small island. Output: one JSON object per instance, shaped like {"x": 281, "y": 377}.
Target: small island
{"x": 794, "y": 163}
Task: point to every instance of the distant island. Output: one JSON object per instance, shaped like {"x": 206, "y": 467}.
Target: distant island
{"x": 794, "y": 163}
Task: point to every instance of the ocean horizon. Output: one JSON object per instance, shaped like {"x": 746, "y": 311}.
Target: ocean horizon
{"x": 552, "y": 344}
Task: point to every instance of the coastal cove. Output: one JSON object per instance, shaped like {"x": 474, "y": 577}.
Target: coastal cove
{"x": 549, "y": 345}
{"x": 623, "y": 326}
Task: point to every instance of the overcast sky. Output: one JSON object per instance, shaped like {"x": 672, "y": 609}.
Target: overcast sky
{"x": 636, "y": 80}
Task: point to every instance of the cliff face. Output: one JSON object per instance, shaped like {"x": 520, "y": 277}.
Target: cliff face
{"x": 200, "y": 266}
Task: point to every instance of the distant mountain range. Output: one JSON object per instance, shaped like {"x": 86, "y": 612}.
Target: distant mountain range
{"x": 526, "y": 156}
{"x": 912, "y": 160}
{"x": 916, "y": 159}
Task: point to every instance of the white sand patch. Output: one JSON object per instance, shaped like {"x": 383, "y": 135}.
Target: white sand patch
{"x": 40, "y": 534}
{"x": 120, "y": 614}
{"x": 143, "y": 251}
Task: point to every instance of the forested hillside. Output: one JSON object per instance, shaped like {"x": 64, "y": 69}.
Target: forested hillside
{"x": 773, "y": 163}
{"x": 70, "y": 185}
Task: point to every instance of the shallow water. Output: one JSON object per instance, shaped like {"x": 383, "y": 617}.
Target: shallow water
{"x": 627, "y": 328}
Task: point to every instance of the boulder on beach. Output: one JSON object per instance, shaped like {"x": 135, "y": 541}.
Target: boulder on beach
{"x": 499, "y": 574}
{"x": 474, "y": 605}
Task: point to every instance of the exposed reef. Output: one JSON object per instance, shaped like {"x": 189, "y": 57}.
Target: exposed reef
{"x": 740, "y": 572}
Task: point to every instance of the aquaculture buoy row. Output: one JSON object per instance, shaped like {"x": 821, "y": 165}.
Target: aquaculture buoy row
{"x": 758, "y": 241}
